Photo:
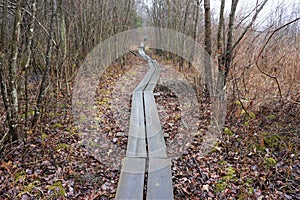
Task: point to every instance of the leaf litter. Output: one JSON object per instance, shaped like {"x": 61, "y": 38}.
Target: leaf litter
{"x": 257, "y": 158}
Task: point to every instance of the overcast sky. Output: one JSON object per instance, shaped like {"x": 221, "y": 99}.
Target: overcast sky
{"x": 291, "y": 8}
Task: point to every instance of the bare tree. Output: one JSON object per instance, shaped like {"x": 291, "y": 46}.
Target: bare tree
{"x": 184, "y": 29}
{"x": 3, "y": 79}
{"x": 45, "y": 80}
{"x": 207, "y": 45}
{"x": 2, "y": 65}
{"x": 13, "y": 94}
{"x": 207, "y": 24}
{"x": 73, "y": 31}
{"x": 225, "y": 55}
{"x": 228, "y": 52}
{"x": 220, "y": 47}
{"x": 28, "y": 53}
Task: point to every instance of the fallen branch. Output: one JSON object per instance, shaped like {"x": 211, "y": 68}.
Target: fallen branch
{"x": 132, "y": 52}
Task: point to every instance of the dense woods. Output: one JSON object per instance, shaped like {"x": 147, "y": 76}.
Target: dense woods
{"x": 43, "y": 49}
{"x": 255, "y": 48}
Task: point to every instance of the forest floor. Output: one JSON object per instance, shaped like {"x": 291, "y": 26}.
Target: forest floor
{"x": 257, "y": 157}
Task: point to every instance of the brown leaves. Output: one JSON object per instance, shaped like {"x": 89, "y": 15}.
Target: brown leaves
{"x": 256, "y": 159}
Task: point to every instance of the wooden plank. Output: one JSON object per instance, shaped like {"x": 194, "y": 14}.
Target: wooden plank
{"x": 136, "y": 145}
{"x": 153, "y": 81}
{"x": 142, "y": 53}
{"x": 144, "y": 121}
{"x": 155, "y": 138}
{"x": 142, "y": 85}
{"x": 159, "y": 184}
{"x": 131, "y": 182}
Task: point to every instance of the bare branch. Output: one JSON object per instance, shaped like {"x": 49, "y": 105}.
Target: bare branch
{"x": 263, "y": 48}
{"x": 39, "y": 23}
{"x": 249, "y": 25}
{"x": 272, "y": 34}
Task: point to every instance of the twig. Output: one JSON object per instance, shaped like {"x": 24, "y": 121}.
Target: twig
{"x": 3, "y": 140}
{"x": 292, "y": 101}
{"x": 263, "y": 48}
{"x": 39, "y": 23}
{"x": 239, "y": 98}
{"x": 272, "y": 34}
{"x": 132, "y": 52}
{"x": 249, "y": 25}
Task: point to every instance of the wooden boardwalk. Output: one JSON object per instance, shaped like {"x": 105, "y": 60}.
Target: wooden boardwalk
{"x": 146, "y": 149}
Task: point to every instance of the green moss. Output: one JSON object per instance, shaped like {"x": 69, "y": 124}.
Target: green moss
{"x": 252, "y": 115}
{"x": 270, "y": 139}
{"x": 103, "y": 102}
{"x": 30, "y": 189}
{"x": 44, "y": 136}
{"x": 270, "y": 162}
{"x": 223, "y": 163}
{"x": 238, "y": 103}
{"x": 20, "y": 176}
{"x": 133, "y": 73}
{"x": 57, "y": 189}
{"x": 177, "y": 117}
{"x": 251, "y": 191}
{"x": 258, "y": 150}
{"x": 51, "y": 115}
{"x": 220, "y": 186}
{"x": 29, "y": 113}
{"x": 246, "y": 123}
{"x": 227, "y": 131}
{"x": 104, "y": 91}
{"x": 270, "y": 117}
{"x": 275, "y": 141}
{"x": 230, "y": 172}
{"x": 62, "y": 146}
{"x": 248, "y": 182}
{"x": 57, "y": 125}
{"x": 248, "y": 114}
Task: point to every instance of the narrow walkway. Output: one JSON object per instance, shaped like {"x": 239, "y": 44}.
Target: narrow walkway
{"x": 146, "y": 164}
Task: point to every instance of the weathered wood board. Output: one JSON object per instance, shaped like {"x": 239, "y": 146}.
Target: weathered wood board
{"x": 159, "y": 184}
{"x": 136, "y": 145}
{"x": 146, "y": 148}
{"x": 131, "y": 182}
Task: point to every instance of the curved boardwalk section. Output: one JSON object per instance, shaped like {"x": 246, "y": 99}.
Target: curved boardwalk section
{"x": 146, "y": 148}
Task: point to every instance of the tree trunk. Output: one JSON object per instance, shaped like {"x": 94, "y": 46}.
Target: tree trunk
{"x": 183, "y": 30}
{"x": 257, "y": 11}
{"x": 195, "y": 32}
{"x": 207, "y": 25}
{"x": 157, "y": 23}
{"x": 63, "y": 44}
{"x": 114, "y": 27}
{"x": 169, "y": 27}
{"x": 229, "y": 52}
{"x": 28, "y": 54}
{"x": 3, "y": 69}
{"x": 220, "y": 47}
{"x": 45, "y": 80}
{"x": 207, "y": 43}
{"x": 12, "y": 92}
